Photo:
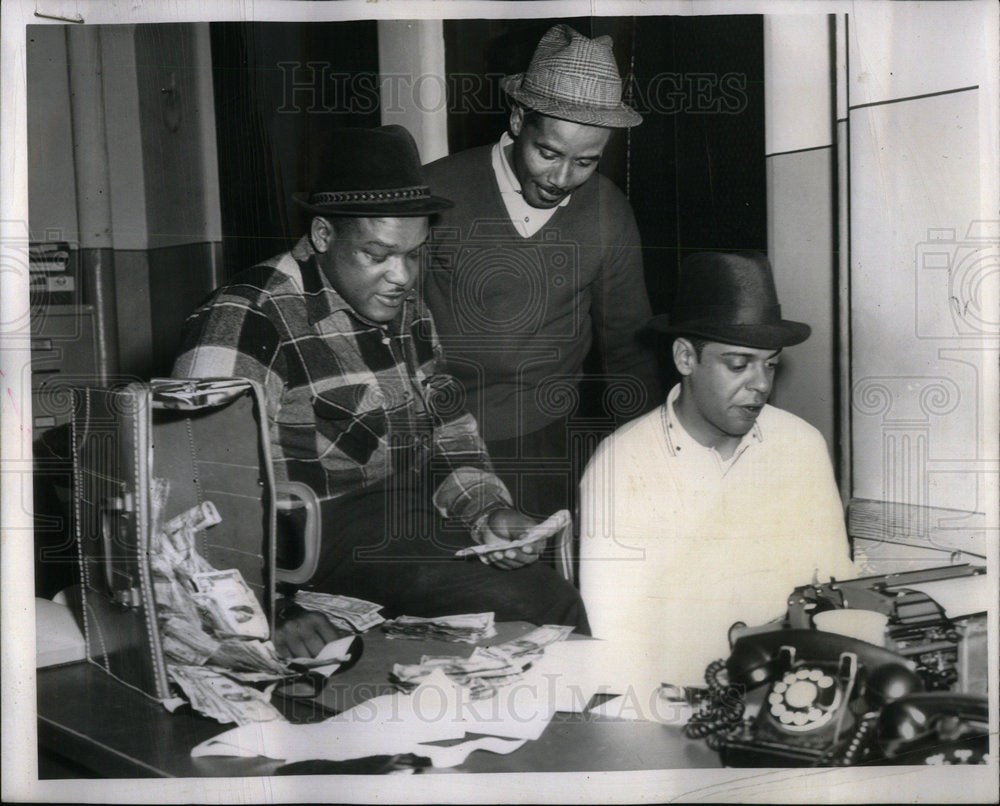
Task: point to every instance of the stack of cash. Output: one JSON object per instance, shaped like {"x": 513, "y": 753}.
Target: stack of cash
{"x": 533, "y": 644}
{"x": 469, "y": 628}
{"x": 355, "y": 615}
{"x": 487, "y": 669}
{"x": 218, "y": 696}
{"x": 207, "y": 617}
{"x": 229, "y": 605}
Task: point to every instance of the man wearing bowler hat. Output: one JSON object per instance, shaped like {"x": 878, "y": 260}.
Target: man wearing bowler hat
{"x": 360, "y": 410}
{"x": 538, "y": 261}
{"x": 710, "y": 509}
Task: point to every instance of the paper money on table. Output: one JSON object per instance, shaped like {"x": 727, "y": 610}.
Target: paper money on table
{"x": 537, "y": 533}
{"x": 532, "y": 643}
{"x": 487, "y": 669}
{"x": 476, "y": 665}
{"x": 469, "y": 628}
{"x": 230, "y": 605}
{"x": 217, "y": 696}
{"x": 343, "y": 611}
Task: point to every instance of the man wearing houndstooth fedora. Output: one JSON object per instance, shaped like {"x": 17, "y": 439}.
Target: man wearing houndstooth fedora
{"x": 539, "y": 261}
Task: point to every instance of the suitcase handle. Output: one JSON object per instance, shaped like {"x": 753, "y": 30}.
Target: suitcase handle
{"x": 293, "y": 496}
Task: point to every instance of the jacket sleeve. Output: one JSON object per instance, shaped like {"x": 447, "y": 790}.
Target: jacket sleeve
{"x": 231, "y": 336}
{"x": 469, "y": 488}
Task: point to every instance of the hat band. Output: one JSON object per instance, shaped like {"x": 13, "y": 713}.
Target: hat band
{"x": 727, "y": 314}
{"x": 346, "y": 196}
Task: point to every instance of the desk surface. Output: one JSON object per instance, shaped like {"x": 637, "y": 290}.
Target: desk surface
{"x": 90, "y": 720}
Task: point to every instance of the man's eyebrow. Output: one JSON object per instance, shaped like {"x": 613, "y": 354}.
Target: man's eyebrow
{"x": 556, "y": 150}
{"x": 741, "y": 354}
{"x": 388, "y": 245}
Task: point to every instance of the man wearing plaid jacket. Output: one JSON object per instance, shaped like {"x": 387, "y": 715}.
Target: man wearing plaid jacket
{"x": 359, "y": 407}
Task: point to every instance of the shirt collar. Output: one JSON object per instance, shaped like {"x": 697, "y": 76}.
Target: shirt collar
{"x": 680, "y": 441}
{"x": 322, "y": 299}
{"x": 509, "y": 184}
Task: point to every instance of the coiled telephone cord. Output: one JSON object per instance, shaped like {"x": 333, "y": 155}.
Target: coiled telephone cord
{"x": 721, "y": 713}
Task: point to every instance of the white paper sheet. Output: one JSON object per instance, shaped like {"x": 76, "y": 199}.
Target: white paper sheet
{"x": 574, "y": 671}
{"x": 436, "y": 711}
{"x": 960, "y": 596}
{"x": 336, "y": 651}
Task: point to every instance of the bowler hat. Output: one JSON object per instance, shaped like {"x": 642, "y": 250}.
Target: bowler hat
{"x": 573, "y": 78}
{"x": 369, "y": 172}
{"x": 729, "y": 297}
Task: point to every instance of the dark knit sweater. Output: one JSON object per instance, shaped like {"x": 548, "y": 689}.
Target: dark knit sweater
{"x": 517, "y": 316}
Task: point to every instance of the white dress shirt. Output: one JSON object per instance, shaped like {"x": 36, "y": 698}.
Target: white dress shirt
{"x": 677, "y": 544}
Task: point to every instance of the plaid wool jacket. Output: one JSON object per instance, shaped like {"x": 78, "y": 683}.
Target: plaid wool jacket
{"x": 350, "y": 403}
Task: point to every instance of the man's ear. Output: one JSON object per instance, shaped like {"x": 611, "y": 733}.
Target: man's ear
{"x": 516, "y": 123}
{"x": 685, "y": 356}
{"x": 321, "y": 233}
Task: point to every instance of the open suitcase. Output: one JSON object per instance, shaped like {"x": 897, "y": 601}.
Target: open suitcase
{"x": 208, "y": 439}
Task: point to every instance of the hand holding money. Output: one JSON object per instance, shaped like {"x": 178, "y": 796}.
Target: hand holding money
{"x": 512, "y": 539}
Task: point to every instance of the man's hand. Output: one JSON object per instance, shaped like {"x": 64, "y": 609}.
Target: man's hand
{"x": 503, "y": 526}
{"x": 301, "y": 633}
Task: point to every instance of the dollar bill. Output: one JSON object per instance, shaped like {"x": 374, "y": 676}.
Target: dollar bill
{"x": 487, "y": 669}
{"x": 536, "y": 534}
{"x": 249, "y": 656}
{"x": 218, "y": 696}
{"x": 482, "y": 673}
{"x": 230, "y": 605}
{"x": 159, "y": 491}
{"x": 197, "y": 518}
{"x": 344, "y": 611}
{"x": 469, "y": 628}
{"x": 186, "y": 642}
{"x": 476, "y": 665}
{"x": 534, "y": 642}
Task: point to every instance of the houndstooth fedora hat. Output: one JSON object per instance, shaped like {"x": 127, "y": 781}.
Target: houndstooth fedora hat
{"x": 573, "y": 78}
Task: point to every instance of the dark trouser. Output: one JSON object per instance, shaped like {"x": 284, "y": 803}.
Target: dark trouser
{"x": 390, "y": 546}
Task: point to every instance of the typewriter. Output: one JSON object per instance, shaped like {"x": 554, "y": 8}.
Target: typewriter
{"x": 799, "y": 696}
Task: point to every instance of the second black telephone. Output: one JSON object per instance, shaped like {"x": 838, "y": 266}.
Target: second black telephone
{"x": 825, "y": 703}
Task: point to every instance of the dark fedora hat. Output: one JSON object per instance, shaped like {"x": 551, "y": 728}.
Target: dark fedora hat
{"x": 573, "y": 78}
{"x": 369, "y": 172}
{"x": 729, "y": 297}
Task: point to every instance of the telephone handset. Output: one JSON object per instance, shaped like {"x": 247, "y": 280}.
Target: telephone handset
{"x": 935, "y": 728}
{"x": 824, "y": 693}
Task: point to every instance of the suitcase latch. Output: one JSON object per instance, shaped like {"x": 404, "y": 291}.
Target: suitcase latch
{"x": 128, "y": 597}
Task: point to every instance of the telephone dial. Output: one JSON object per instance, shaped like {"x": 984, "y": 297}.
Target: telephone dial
{"x": 831, "y": 700}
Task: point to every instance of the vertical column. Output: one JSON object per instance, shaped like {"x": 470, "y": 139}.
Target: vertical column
{"x": 845, "y": 440}
{"x": 801, "y": 208}
{"x": 93, "y": 188}
{"x": 413, "y": 85}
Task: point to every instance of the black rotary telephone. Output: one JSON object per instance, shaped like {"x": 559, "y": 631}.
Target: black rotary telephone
{"x": 831, "y": 700}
